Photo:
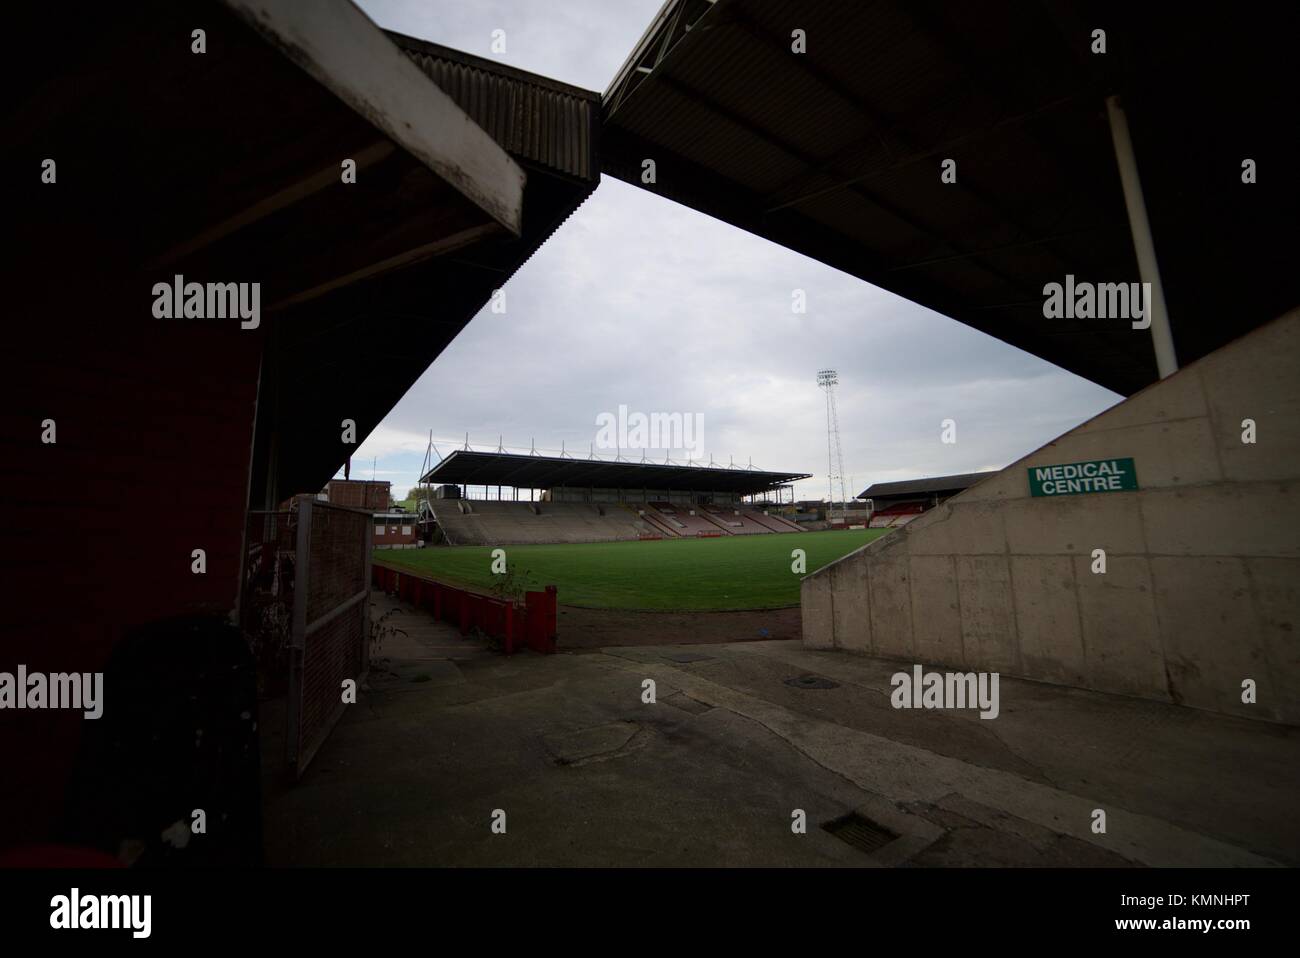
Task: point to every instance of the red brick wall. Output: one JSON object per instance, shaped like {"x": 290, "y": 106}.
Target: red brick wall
{"x": 359, "y": 494}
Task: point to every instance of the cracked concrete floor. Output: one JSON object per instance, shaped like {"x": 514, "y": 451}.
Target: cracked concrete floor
{"x": 588, "y": 774}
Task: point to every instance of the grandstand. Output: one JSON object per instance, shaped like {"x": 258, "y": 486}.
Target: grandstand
{"x": 488, "y": 522}
{"x": 596, "y": 500}
{"x": 896, "y": 515}
{"x": 895, "y": 504}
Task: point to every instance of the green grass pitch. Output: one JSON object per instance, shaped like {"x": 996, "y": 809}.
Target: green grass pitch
{"x": 728, "y": 572}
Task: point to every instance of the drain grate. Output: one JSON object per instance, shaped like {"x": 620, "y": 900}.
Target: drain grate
{"x": 808, "y": 681}
{"x": 860, "y": 832}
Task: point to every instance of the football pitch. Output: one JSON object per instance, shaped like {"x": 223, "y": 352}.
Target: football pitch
{"x": 687, "y": 575}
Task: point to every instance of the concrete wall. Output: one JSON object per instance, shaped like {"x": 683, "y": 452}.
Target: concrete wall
{"x": 1202, "y": 587}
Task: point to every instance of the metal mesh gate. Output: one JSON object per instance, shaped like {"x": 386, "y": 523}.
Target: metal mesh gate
{"x": 331, "y": 621}
{"x": 266, "y": 595}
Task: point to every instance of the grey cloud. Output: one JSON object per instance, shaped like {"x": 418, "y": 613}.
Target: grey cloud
{"x": 641, "y": 302}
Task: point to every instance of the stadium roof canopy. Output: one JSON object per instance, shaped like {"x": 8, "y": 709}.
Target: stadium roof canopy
{"x": 228, "y": 167}
{"x": 550, "y": 131}
{"x": 467, "y": 467}
{"x": 836, "y": 152}
{"x": 921, "y": 487}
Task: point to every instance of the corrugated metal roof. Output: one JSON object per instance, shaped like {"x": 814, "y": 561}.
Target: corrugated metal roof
{"x": 470, "y": 467}
{"x": 908, "y": 487}
{"x": 533, "y": 117}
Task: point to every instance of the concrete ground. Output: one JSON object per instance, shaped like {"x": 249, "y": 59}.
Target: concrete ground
{"x": 740, "y": 737}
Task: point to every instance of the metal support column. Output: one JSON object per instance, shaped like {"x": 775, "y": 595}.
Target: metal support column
{"x": 1162, "y": 338}
{"x": 298, "y": 633}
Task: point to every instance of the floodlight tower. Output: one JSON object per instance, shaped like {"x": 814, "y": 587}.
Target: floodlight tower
{"x": 828, "y": 379}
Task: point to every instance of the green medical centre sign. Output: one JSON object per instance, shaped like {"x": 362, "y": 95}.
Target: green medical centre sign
{"x": 1100, "y": 475}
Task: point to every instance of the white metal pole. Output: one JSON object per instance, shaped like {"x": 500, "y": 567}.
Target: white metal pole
{"x": 1162, "y": 338}
{"x": 830, "y": 462}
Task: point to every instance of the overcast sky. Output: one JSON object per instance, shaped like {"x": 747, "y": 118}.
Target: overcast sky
{"x": 637, "y": 301}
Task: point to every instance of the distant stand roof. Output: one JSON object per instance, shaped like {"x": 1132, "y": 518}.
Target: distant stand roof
{"x": 467, "y": 467}
{"x": 919, "y": 487}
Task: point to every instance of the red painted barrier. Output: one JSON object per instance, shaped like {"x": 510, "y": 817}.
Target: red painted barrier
{"x": 532, "y": 624}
